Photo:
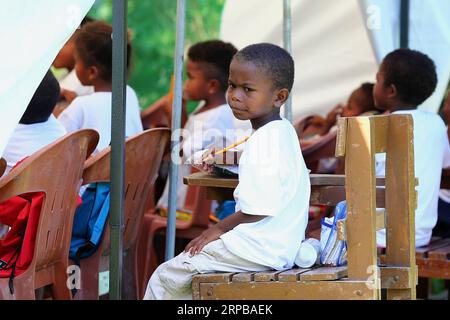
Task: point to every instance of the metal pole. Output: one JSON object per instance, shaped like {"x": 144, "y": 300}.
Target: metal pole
{"x": 287, "y": 43}
{"x": 118, "y": 144}
{"x": 176, "y": 124}
{"x": 404, "y": 24}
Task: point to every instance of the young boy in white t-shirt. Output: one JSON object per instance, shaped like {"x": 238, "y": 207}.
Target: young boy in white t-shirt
{"x": 274, "y": 188}
{"x": 406, "y": 78}
{"x": 93, "y": 65}
{"x": 212, "y": 122}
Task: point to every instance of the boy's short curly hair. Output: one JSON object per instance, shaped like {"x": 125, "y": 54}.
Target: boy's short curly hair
{"x": 276, "y": 62}
{"x": 217, "y": 55}
{"x": 93, "y": 44}
{"x": 412, "y": 73}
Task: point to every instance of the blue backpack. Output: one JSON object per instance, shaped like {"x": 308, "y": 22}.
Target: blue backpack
{"x": 89, "y": 221}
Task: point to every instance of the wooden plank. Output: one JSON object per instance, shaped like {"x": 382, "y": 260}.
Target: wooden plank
{"x": 221, "y": 194}
{"x": 207, "y": 180}
{"x": 381, "y": 126}
{"x": 431, "y": 268}
{"x": 381, "y": 219}
{"x": 266, "y": 276}
{"x": 341, "y": 138}
{"x": 422, "y": 252}
{"x": 332, "y": 195}
{"x": 292, "y": 275}
{"x": 243, "y": 277}
{"x": 309, "y": 290}
{"x": 400, "y": 199}
{"x": 361, "y": 198}
{"x": 209, "y": 278}
{"x": 398, "y": 277}
{"x": 325, "y": 274}
{"x": 442, "y": 253}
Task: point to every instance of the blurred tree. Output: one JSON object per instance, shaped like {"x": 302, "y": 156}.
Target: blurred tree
{"x": 153, "y": 27}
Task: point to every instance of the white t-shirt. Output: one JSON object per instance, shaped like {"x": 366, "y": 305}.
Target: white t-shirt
{"x": 431, "y": 154}
{"x": 202, "y": 130}
{"x": 274, "y": 182}
{"x": 29, "y": 138}
{"x": 94, "y": 112}
{"x": 72, "y": 83}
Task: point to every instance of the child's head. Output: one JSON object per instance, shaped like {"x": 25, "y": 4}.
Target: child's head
{"x": 360, "y": 101}
{"x": 43, "y": 101}
{"x": 406, "y": 78}
{"x": 208, "y": 68}
{"x": 65, "y": 58}
{"x": 261, "y": 78}
{"x": 93, "y": 53}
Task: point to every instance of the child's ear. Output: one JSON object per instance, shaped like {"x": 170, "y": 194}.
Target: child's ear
{"x": 392, "y": 92}
{"x": 281, "y": 97}
{"x": 213, "y": 86}
{"x": 93, "y": 73}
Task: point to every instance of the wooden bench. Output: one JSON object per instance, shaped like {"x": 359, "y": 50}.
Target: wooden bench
{"x": 358, "y": 140}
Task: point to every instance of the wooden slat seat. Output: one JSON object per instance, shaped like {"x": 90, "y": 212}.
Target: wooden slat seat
{"x": 434, "y": 260}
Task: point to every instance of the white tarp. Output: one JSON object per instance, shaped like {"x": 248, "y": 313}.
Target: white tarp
{"x": 331, "y": 42}
{"x": 330, "y": 45}
{"x": 429, "y": 32}
{"x": 31, "y": 34}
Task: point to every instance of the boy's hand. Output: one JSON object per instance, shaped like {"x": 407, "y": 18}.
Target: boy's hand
{"x": 208, "y": 160}
{"x": 207, "y": 236}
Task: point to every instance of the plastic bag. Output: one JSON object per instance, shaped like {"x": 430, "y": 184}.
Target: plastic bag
{"x": 333, "y": 250}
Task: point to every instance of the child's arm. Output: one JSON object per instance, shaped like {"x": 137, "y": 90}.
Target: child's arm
{"x": 214, "y": 232}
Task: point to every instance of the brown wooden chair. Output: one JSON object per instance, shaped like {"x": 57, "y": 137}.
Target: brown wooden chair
{"x": 55, "y": 170}
{"x": 323, "y": 148}
{"x": 198, "y": 204}
{"x": 143, "y": 156}
{"x": 2, "y": 166}
{"x": 358, "y": 140}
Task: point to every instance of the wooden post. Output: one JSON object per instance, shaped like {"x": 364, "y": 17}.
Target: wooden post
{"x": 401, "y": 202}
{"x": 361, "y": 208}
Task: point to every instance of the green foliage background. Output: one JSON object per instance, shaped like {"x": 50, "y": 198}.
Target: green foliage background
{"x": 153, "y": 27}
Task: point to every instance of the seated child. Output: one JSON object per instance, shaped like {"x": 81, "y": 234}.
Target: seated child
{"x": 93, "y": 65}
{"x": 71, "y": 86}
{"x": 360, "y": 103}
{"x": 212, "y": 123}
{"x": 274, "y": 188}
{"x": 37, "y": 127}
{"x": 405, "y": 79}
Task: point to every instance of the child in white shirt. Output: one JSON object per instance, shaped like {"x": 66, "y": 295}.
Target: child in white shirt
{"x": 38, "y": 127}
{"x": 212, "y": 122}
{"x": 273, "y": 192}
{"x": 406, "y": 78}
{"x": 93, "y": 65}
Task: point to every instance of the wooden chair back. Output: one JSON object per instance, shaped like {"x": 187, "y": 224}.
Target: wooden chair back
{"x": 55, "y": 170}
{"x": 324, "y": 148}
{"x": 359, "y": 139}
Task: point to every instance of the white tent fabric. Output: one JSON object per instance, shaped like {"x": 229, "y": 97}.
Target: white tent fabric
{"x": 330, "y": 45}
{"x": 429, "y": 32}
{"x": 31, "y": 33}
{"x": 338, "y": 44}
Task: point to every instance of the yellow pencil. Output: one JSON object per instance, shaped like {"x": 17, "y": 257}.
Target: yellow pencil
{"x": 231, "y": 146}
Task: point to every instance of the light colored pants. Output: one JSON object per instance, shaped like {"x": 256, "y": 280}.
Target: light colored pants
{"x": 172, "y": 280}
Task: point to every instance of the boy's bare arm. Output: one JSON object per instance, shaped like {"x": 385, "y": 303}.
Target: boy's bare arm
{"x": 446, "y": 111}
{"x": 214, "y": 232}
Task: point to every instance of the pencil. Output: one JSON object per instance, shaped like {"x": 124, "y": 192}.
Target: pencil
{"x": 231, "y": 146}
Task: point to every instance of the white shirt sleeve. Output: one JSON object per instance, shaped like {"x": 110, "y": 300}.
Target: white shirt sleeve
{"x": 72, "y": 117}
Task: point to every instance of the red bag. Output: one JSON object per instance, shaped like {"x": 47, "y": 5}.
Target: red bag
{"x": 21, "y": 213}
